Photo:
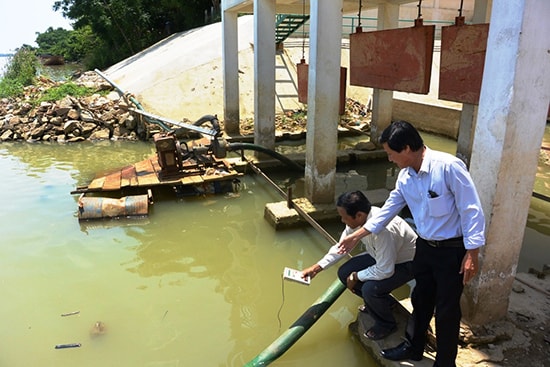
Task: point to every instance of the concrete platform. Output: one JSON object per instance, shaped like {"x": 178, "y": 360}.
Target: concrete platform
{"x": 374, "y": 347}
{"x": 280, "y": 216}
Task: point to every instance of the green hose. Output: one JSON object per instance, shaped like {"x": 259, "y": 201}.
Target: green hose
{"x": 300, "y": 326}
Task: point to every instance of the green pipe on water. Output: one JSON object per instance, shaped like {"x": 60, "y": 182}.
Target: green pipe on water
{"x": 300, "y": 326}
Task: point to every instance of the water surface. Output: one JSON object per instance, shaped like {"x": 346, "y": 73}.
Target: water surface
{"x": 196, "y": 283}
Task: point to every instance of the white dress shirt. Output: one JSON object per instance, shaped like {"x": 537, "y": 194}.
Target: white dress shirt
{"x": 394, "y": 244}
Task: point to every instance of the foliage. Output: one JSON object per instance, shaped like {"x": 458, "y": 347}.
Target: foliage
{"x": 125, "y": 27}
{"x": 20, "y": 72}
{"x": 65, "y": 89}
{"x": 72, "y": 45}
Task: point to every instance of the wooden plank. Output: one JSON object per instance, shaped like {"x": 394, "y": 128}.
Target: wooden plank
{"x": 112, "y": 181}
{"x": 146, "y": 175}
{"x": 191, "y": 180}
{"x": 126, "y": 176}
{"x": 463, "y": 50}
{"x": 393, "y": 59}
{"x": 97, "y": 183}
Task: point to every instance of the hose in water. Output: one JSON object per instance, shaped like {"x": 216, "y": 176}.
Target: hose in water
{"x": 300, "y": 326}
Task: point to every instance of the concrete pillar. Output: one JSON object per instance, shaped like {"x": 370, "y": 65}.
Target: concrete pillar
{"x": 482, "y": 10}
{"x": 231, "y": 113}
{"x": 264, "y": 73}
{"x": 466, "y": 127}
{"x": 510, "y": 126}
{"x": 323, "y": 100}
{"x": 382, "y": 100}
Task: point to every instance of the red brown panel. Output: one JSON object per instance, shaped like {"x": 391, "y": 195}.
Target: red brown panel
{"x": 393, "y": 59}
{"x": 462, "y": 59}
{"x": 302, "y": 69}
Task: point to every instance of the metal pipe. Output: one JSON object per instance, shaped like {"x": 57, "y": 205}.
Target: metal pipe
{"x": 300, "y": 326}
{"x": 132, "y": 99}
{"x": 296, "y": 207}
{"x": 184, "y": 125}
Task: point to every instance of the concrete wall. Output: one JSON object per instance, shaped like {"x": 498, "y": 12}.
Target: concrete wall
{"x": 427, "y": 117}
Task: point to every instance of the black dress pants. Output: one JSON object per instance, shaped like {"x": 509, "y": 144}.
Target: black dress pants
{"x": 438, "y": 289}
{"x": 376, "y": 294}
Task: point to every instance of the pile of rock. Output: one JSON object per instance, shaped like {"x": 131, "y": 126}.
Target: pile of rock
{"x": 71, "y": 119}
{"x": 107, "y": 117}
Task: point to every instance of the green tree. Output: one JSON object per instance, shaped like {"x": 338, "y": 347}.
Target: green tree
{"x": 73, "y": 45}
{"x": 125, "y": 27}
{"x": 20, "y": 72}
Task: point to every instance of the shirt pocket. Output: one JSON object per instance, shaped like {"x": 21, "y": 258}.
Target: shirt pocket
{"x": 439, "y": 206}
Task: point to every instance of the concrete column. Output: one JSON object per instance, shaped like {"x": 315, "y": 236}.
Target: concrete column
{"x": 482, "y": 10}
{"x": 466, "y": 128}
{"x": 510, "y": 126}
{"x": 323, "y": 100}
{"x": 231, "y": 113}
{"x": 382, "y": 100}
{"x": 264, "y": 73}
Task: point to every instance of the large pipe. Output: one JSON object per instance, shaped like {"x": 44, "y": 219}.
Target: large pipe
{"x": 300, "y": 326}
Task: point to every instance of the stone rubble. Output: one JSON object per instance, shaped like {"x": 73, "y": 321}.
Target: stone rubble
{"x": 107, "y": 117}
{"x": 95, "y": 117}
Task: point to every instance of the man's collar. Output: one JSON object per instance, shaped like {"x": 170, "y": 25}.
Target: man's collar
{"x": 425, "y": 167}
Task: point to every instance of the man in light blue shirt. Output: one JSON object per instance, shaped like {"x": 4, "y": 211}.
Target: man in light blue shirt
{"x": 442, "y": 198}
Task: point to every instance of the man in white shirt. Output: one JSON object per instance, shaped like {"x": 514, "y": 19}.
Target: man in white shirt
{"x": 385, "y": 265}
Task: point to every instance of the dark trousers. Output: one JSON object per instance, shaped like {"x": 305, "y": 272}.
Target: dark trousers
{"x": 438, "y": 289}
{"x": 376, "y": 293}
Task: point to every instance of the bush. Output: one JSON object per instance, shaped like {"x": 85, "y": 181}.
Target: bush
{"x": 20, "y": 72}
{"x": 65, "y": 89}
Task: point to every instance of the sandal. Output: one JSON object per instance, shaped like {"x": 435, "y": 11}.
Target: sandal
{"x": 378, "y": 332}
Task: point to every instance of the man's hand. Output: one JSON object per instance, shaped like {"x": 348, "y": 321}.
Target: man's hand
{"x": 312, "y": 271}
{"x": 351, "y": 281}
{"x": 469, "y": 265}
{"x": 351, "y": 240}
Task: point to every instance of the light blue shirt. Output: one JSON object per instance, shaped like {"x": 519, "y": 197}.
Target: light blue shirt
{"x": 455, "y": 212}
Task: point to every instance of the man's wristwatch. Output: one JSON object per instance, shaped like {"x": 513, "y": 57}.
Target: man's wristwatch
{"x": 353, "y": 277}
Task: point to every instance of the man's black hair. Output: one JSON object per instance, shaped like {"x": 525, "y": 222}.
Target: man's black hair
{"x": 400, "y": 134}
{"x": 353, "y": 202}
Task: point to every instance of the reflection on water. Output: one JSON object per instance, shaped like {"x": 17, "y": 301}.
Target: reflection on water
{"x": 196, "y": 283}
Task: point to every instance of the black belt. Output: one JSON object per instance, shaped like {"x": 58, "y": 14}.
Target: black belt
{"x": 451, "y": 242}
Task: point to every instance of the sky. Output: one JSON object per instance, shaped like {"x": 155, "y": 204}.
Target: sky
{"x": 21, "y": 19}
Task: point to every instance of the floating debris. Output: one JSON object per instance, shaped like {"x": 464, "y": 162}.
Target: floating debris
{"x": 70, "y": 313}
{"x": 70, "y": 345}
{"x": 98, "y": 329}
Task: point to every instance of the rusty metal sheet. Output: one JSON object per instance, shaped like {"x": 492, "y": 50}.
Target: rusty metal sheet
{"x": 393, "y": 59}
{"x": 302, "y": 70}
{"x": 463, "y": 50}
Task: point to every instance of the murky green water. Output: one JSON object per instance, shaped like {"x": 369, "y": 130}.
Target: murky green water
{"x": 197, "y": 283}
